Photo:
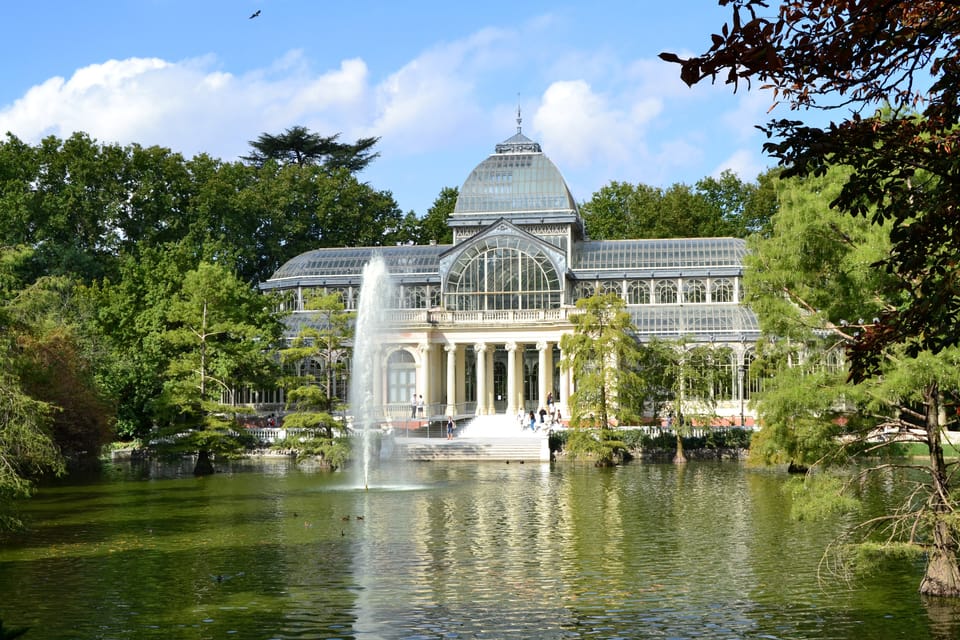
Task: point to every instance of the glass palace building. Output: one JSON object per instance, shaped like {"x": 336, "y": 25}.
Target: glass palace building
{"x": 477, "y": 324}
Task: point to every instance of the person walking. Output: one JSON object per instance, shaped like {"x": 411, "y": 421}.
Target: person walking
{"x": 420, "y": 407}
{"x": 533, "y": 421}
{"x": 450, "y": 428}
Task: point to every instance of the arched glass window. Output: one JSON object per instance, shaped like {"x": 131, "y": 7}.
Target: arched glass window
{"x": 666, "y": 291}
{"x": 638, "y": 292}
{"x": 414, "y": 297}
{"x": 401, "y": 377}
{"x": 721, "y": 290}
{"x": 834, "y": 360}
{"x": 583, "y": 290}
{"x": 724, "y": 383}
{"x": 752, "y": 382}
{"x": 611, "y": 286}
{"x": 434, "y": 296}
{"x": 503, "y": 272}
{"x": 694, "y": 291}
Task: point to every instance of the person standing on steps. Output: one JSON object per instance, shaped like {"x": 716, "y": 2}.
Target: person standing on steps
{"x": 450, "y": 428}
{"x": 413, "y": 406}
{"x": 420, "y": 407}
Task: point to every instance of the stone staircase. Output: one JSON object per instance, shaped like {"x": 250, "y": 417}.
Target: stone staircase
{"x": 491, "y": 438}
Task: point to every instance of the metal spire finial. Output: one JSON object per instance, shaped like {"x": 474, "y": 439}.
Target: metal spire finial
{"x": 519, "y": 119}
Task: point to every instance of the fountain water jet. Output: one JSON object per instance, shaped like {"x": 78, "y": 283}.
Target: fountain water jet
{"x": 372, "y": 311}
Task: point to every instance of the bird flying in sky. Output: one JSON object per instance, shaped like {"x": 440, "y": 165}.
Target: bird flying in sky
{"x": 255, "y": 14}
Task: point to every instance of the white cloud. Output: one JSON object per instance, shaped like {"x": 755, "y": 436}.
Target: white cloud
{"x": 746, "y": 164}
{"x": 600, "y": 115}
{"x": 581, "y": 127}
{"x": 187, "y": 105}
{"x": 750, "y": 109}
{"x": 432, "y": 100}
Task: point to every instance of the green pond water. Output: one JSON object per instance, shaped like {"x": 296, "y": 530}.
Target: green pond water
{"x": 436, "y": 550}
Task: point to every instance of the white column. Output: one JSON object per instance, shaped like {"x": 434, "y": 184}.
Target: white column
{"x": 451, "y": 350}
{"x": 481, "y": 349}
{"x": 542, "y": 376}
{"x": 511, "y": 379}
{"x": 491, "y": 406}
{"x": 425, "y": 381}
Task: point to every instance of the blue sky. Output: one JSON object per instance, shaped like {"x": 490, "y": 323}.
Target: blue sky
{"x": 439, "y": 82}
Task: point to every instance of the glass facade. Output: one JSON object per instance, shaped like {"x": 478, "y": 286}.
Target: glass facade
{"x": 504, "y": 272}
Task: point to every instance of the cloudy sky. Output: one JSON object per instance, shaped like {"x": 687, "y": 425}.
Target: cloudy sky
{"x": 439, "y": 82}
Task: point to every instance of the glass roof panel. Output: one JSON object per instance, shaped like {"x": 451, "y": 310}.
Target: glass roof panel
{"x": 721, "y": 321}
{"x": 669, "y": 253}
{"x": 341, "y": 261}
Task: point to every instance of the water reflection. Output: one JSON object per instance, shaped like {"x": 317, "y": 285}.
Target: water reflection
{"x": 461, "y": 551}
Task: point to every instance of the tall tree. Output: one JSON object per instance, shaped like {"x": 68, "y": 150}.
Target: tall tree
{"x": 59, "y": 358}
{"x": 849, "y": 57}
{"x": 814, "y": 288}
{"x": 27, "y": 450}
{"x": 602, "y": 353}
{"x": 221, "y": 334}
{"x": 318, "y": 360}
{"x": 679, "y": 377}
{"x": 298, "y": 145}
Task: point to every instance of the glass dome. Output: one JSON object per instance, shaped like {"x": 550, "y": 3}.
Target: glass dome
{"x": 518, "y": 177}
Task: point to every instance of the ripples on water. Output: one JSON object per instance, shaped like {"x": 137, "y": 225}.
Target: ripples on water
{"x": 434, "y": 551}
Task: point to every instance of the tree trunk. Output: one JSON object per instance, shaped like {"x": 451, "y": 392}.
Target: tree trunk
{"x": 204, "y": 466}
{"x": 942, "y": 577}
{"x": 679, "y": 457}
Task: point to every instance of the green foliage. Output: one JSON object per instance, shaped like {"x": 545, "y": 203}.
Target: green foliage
{"x": 60, "y": 358}
{"x": 681, "y": 377}
{"x": 723, "y": 206}
{"x": 297, "y": 145}
{"x": 818, "y": 495}
{"x": 636, "y": 440}
{"x": 26, "y": 449}
{"x": 84, "y": 205}
{"x": 434, "y": 224}
{"x": 334, "y": 452}
{"x": 219, "y": 334}
{"x": 834, "y": 53}
{"x": 602, "y": 446}
{"x": 317, "y": 360}
{"x": 50, "y": 405}
{"x": 603, "y": 355}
